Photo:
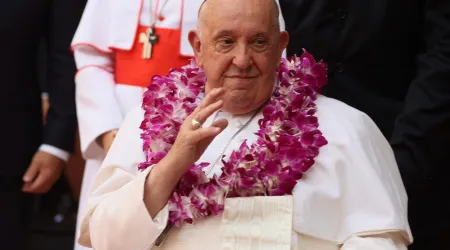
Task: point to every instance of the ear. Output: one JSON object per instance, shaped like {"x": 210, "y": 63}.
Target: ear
{"x": 194, "y": 40}
{"x": 284, "y": 41}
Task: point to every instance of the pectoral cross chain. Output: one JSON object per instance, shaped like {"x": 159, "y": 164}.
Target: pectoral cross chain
{"x": 148, "y": 39}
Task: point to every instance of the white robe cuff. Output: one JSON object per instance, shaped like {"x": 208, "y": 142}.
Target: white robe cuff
{"x": 123, "y": 215}
{"x": 387, "y": 241}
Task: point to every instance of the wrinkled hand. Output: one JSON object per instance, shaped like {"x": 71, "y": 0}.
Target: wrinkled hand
{"x": 44, "y": 170}
{"x": 192, "y": 142}
{"x": 107, "y": 139}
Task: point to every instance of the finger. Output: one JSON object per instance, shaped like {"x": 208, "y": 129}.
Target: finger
{"x": 206, "y": 112}
{"x": 209, "y": 132}
{"x": 221, "y": 123}
{"x": 31, "y": 173}
{"x": 26, "y": 187}
{"x": 204, "y": 133}
{"x": 210, "y": 98}
{"x": 42, "y": 183}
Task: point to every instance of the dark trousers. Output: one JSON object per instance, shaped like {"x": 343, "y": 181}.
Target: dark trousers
{"x": 15, "y": 208}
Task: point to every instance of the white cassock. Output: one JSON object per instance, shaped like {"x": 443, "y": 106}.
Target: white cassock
{"x": 109, "y": 26}
{"x": 352, "y": 198}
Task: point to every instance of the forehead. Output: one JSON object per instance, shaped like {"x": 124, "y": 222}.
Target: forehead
{"x": 237, "y": 16}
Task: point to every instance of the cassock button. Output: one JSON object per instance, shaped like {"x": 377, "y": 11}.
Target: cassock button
{"x": 239, "y": 124}
{"x": 342, "y": 13}
{"x": 339, "y": 67}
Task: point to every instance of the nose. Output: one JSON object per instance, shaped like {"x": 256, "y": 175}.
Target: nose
{"x": 242, "y": 58}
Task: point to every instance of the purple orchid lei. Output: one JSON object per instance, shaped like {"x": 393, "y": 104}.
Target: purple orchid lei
{"x": 287, "y": 142}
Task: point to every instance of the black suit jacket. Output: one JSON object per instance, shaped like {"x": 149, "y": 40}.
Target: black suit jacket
{"x": 23, "y": 23}
{"x": 391, "y": 59}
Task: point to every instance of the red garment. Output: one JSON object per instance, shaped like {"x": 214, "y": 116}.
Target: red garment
{"x": 132, "y": 69}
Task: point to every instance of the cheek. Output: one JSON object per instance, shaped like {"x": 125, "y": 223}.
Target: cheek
{"x": 215, "y": 67}
{"x": 264, "y": 62}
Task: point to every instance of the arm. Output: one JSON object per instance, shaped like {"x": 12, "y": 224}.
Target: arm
{"x": 61, "y": 118}
{"x": 117, "y": 197}
{"x": 98, "y": 109}
{"x": 375, "y": 147}
{"x": 59, "y": 131}
{"x": 378, "y": 151}
{"x": 360, "y": 192}
{"x": 421, "y": 134}
{"x": 138, "y": 201}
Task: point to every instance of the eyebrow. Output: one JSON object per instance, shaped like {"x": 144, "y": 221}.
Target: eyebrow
{"x": 222, "y": 33}
{"x": 261, "y": 34}
{"x": 229, "y": 32}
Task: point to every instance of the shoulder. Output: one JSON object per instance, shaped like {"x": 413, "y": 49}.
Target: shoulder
{"x": 337, "y": 118}
{"x": 332, "y": 107}
{"x": 353, "y": 137}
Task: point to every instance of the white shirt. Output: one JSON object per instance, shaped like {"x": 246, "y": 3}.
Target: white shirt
{"x": 61, "y": 154}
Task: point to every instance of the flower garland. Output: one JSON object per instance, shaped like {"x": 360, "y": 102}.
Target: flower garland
{"x": 287, "y": 142}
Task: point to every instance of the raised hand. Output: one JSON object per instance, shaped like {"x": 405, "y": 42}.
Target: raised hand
{"x": 190, "y": 144}
{"x": 193, "y": 139}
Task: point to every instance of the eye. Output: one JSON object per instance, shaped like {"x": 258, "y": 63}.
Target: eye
{"x": 260, "y": 41}
{"x": 260, "y": 44}
{"x": 226, "y": 42}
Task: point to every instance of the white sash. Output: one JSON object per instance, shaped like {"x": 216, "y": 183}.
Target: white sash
{"x": 248, "y": 223}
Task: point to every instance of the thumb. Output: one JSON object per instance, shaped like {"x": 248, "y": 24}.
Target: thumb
{"x": 32, "y": 171}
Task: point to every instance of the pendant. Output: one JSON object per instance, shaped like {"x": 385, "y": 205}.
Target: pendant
{"x": 148, "y": 39}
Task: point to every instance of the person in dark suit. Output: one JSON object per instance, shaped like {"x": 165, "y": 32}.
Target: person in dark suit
{"x": 33, "y": 156}
{"x": 391, "y": 60}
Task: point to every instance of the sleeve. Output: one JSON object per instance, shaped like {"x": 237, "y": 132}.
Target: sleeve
{"x": 421, "y": 132}
{"x": 117, "y": 217}
{"x": 354, "y": 188}
{"x": 98, "y": 109}
{"x": 388, "y": 241}
{"x": 61, "y": 119}
{"x": 61, "y": 154}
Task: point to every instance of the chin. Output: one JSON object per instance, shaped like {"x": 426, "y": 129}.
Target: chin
{"x": 239, "y": 107}
{"x": 241, "y": 101}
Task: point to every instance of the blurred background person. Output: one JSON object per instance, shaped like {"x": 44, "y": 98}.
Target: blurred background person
{"x": 34, "y": 157}
{"x": 53, "y": 217}
{"x": 391, "y": 60}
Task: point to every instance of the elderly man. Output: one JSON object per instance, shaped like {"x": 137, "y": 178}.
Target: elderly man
{"x": 240, "y": 161}
{"x": 116, "y": 57}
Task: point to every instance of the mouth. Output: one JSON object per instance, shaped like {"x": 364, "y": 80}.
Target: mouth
{"x": 244, "y": 77}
